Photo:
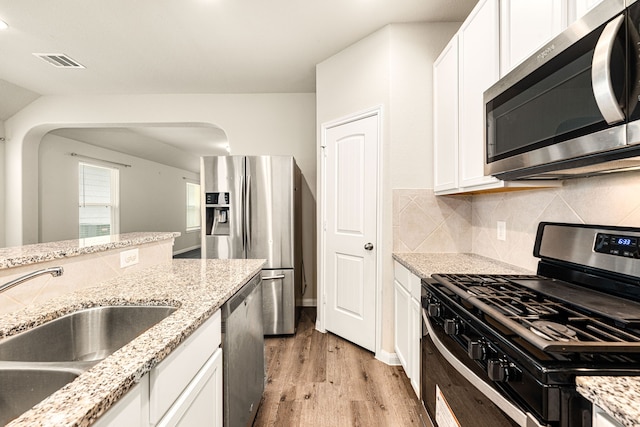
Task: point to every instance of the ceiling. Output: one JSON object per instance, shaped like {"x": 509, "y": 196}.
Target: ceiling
{"x": 187, "y": 46}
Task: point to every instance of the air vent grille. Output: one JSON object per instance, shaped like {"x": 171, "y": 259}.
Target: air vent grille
{"x": 59, "y": 60}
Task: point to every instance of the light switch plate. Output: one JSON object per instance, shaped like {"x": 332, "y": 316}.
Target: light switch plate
{"x": 129, "y": 258}
{"x": 502, "y": 230}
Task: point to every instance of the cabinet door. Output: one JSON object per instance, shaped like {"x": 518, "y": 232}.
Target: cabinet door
{"x": 201, "y": 402}
{"x": 602, "y": 419}
{"x": 416, "y": 335}
{"x": 402, "y": 327}
{"x": 445, "y": 118}
{"x": 524, "y": 27}
{"x": 577, "y": 8}
{"x": 130, "y": 410}
{"x": 479, "y": 69}
{"x": 173, "y": 375}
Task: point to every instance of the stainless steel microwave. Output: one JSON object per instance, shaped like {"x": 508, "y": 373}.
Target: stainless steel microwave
{"x": 572, "y": 108}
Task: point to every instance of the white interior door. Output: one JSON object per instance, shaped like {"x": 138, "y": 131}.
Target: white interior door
{"x": 350, "y": 230}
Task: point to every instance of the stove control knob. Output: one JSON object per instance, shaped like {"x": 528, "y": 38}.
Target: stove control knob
{"x": 477, "y": 350}
{"x": 501, "y": 370}
{"x": 433, "y": 309}
{"x": 451, "y": 326}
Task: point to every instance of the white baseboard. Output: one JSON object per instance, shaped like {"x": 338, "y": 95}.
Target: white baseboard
{"x": 181, "y": 251}
{"x": 309, "y": 302}
{"x": 388, "y": 358}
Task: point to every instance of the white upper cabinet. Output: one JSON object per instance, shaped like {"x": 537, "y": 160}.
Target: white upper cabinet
{"x": 526, "y": 25}
{"x": 478, "y": 40}
{"x": 577, "y": 8}
{"x": 496, "y": 32}
{"x": 445, "y": 119}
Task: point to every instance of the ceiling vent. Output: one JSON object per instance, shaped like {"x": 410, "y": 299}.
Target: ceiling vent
{"x": 59, "y": 60}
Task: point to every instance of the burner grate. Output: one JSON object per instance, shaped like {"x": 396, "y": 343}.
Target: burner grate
{"x": 548, "y": 323}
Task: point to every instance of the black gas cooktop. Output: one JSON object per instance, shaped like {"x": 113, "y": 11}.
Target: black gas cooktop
{"x": 552, "y": 315}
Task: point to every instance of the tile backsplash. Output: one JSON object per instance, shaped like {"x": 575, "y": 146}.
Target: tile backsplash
{"x": 423, "y": 222}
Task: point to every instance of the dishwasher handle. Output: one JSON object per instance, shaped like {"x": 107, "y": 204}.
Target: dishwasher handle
{"x": 239, "y": 297}
{"x": 279, "y": 276}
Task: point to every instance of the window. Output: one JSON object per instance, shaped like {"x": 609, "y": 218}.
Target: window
{"x": 98, "y": 201}
{"x": 193, "y": 206}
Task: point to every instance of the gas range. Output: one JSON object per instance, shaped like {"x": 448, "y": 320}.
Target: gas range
{"x": 552, "y": 315}
{"x": 529, "y": 336}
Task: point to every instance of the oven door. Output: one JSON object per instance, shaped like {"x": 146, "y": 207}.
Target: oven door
{"x": 455, "y": 394}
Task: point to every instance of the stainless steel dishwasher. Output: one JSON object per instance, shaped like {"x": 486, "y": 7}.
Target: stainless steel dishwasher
{"x": 243, "y": 354}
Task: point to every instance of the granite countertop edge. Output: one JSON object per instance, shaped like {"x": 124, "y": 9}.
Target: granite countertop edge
{"x": 19, "y": 256}
{"x": 424, "y": 265}
{"x": 198, "y": 288}
{"x": 617, "y": 396}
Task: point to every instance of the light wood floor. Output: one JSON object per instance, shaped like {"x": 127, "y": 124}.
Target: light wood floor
{"x": 316, "y": 379}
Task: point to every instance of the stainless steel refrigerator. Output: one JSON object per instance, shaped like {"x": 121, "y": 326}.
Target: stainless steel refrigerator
{"x": 252, "y": 210}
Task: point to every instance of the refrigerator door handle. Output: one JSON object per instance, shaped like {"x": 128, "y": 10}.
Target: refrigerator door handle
{"x": 243, "y": 195}
{"x": 247, "y": 215}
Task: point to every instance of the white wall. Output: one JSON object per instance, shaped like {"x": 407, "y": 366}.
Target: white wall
{"x": 152, "y": 195}
{"x": 254, "y": 123}
{"x": 2, "y": 180}
{"x": 415, "y": 48}
{"x": 390, "y": 68}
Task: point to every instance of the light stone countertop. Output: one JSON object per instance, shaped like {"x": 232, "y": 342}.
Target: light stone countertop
{"x": 424, "y": 265}
{"x": 197, "y": 287}
{"x": 41, "y": 252}
{"x": 617, "y": 396}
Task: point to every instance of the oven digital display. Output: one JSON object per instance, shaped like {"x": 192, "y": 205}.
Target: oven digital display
{"x": 625, "y": 241}
{"x": 625, "y": 246}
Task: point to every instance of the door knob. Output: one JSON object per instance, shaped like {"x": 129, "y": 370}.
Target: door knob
{"x": 368, "y": 246}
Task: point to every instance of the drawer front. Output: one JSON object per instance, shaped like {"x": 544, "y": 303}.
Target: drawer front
{"x": 173, "y": 375}
{"x": 401, "y": 274}
{"x": 415, "y": 287}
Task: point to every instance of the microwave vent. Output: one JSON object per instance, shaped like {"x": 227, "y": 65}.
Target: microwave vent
{"x": 59, "y": 60}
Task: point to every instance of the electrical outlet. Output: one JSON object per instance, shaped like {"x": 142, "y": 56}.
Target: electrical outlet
{"x": 129, "y": 258}
{"x": 502, "y": 230}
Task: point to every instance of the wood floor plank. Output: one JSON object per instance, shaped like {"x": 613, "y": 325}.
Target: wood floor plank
{"x": 316, "y": 379}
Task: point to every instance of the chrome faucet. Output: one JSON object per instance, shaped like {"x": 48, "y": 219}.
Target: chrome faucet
{"x": 54, "y": 271}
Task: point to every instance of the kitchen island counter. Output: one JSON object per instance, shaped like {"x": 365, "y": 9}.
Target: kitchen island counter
{"x": 617, "y": 396}
{"x": 41, "y": 252}
{"x": 197, "y": 287}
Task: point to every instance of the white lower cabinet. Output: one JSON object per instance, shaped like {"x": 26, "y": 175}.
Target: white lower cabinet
{"x": 402, "y": 325}
{"x": 414, "y": 347}
{"x": 201, "y": 403}
{"x": 130, "y": 410}
{"x": 408, "y": 322}
{"x": 602, "y": 419}
{"x": 185, "y": 389}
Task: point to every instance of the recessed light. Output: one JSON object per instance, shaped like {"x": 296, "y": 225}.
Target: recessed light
{"x": 3, "y": 25}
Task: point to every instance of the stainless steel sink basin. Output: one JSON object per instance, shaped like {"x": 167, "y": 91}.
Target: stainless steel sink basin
{"x": 22, "y": 388}
{"x": 86, "y": 335}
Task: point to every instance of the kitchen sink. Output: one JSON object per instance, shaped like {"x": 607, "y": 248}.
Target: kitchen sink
{"x": 38, "y": 362}
{"x": 88, "y": 335}
{"x": 23, "y": 387}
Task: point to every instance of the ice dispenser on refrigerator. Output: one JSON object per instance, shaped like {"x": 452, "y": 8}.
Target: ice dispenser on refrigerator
{"x": 217, "y": 211}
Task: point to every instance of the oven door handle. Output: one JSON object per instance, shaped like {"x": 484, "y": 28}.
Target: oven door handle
{"x": 522, "y": 418}
{"x": 601, "y": 73}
